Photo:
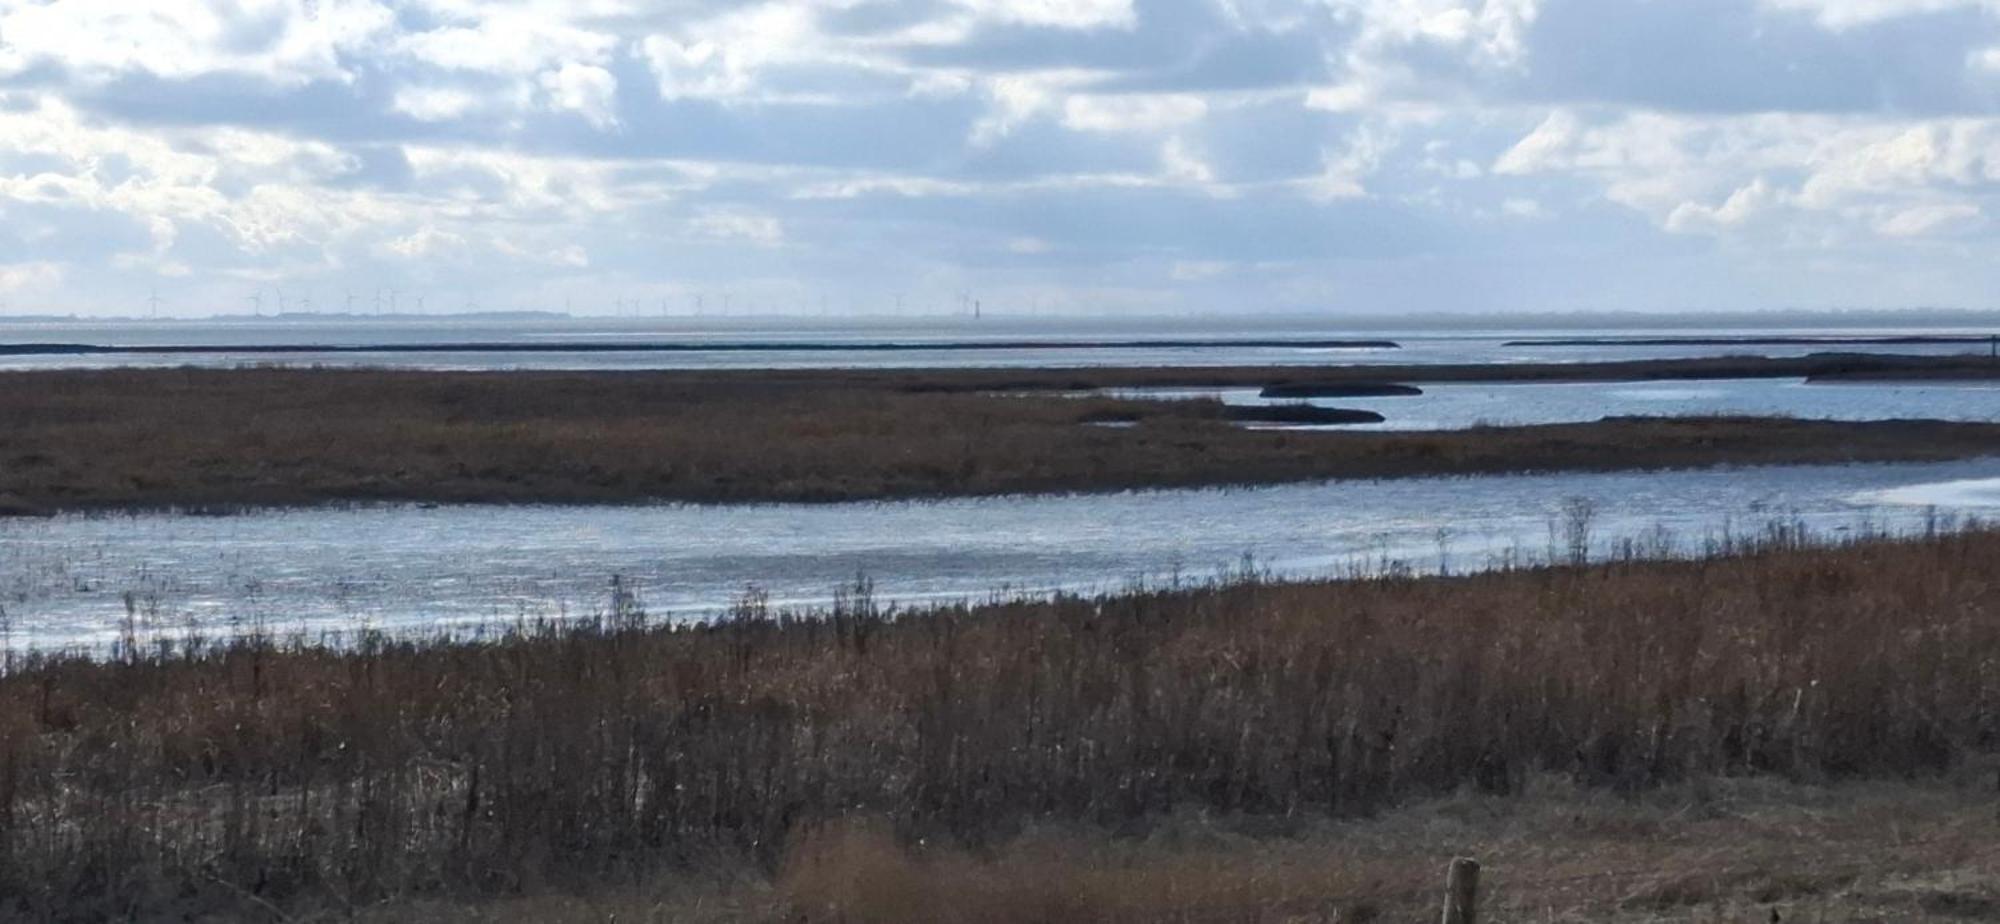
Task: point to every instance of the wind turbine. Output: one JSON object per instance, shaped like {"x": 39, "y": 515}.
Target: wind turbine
{"x": 153, "y": 301}
{"x": 256, "y": 300}
{"x": 350, "y": 301}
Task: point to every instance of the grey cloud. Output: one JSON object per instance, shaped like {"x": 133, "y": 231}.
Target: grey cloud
{"x": 1167, "y": 34}
{"x": 1275, "y": 141}
{"x": 1734, "y": 56}
{"x": 877, "y": 18}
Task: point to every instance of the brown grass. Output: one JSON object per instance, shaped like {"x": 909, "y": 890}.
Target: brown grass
{"x": 594, "y": 758}
{"x": 192, "y": 438}
{"x": 1715, "y": 851}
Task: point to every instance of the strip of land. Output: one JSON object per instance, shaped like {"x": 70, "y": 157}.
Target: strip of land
{"x": 1808, "y": 340}
{"x": 678, "y": 346}
{"x": 1817, "y": 366}
{"x": 1790, "y": 728}
{"x": 194, "y": 438}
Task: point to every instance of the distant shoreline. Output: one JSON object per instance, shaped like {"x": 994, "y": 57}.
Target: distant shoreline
{"x": 227, "y": 439}
{"x": 1752, "y": 340}
{"x": 739, "y": 346}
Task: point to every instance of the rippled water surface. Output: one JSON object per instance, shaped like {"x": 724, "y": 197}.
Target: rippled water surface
{"x": 70, "y": 579}
{"x": 1458, "y": 406}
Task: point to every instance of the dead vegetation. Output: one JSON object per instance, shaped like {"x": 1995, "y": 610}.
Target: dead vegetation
{"x": 596, "y": 759}
{"x": 259, "y": 437}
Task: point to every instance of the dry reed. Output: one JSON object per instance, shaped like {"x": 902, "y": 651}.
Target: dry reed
{"x": 579, "y": 757}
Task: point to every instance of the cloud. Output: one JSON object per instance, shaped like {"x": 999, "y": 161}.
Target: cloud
{"x": 282, "y": 41}
{"x": 1066, "y": 14}
{"x": 1131, "y": 112}
{"x": 436, "y": 104}
{"x": 1841, "y": 14}
{"x": 29, "y": 277}
{"x": 737, "y": 225}
{"x": 584, "y": 89}
{"x": 1921, "y": 220}
{"x": 1174, "y": 154}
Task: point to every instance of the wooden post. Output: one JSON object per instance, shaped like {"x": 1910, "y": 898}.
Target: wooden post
{"x": 1461, "y": 892}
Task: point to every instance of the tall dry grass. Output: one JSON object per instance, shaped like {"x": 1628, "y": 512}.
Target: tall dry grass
{"x": 573, "y": 758}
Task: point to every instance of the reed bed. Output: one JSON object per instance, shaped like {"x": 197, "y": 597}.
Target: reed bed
{"x": 192, "y": 438}
{"x": 251, "y": 774}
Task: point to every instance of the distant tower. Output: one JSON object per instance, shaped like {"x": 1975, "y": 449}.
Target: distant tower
{"x": 256, "y": 300}
{"x": 153, "y": 301}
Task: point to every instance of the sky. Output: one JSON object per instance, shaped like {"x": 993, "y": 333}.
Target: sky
{"x": 1359, "y": 157}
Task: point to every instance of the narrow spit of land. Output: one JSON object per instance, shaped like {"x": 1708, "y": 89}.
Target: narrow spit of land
{"x": 1789, "y": 727}
{"x": 131, "y": 439}
{"x": 1807, "y": 340}
{"x": 684, "y": 346}
{"x": 1816, "y": 366}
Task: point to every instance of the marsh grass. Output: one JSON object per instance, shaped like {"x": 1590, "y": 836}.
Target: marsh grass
{"x": 215, "y": 440}
{"x": 595, "y": 754}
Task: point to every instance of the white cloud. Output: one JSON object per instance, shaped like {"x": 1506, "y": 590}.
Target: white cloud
{"x": 1545, "y": 147}
{"x": 737, "y": 225}
{"x": 1198, "y": 270}
{"x": 29, "y": 277}
{"x": 1841, "y": 14}
{"x": 427, "y": 242}
{"x": 1066, "y": 14}
{"x": 284, "y": 41}
{"x": 1017, "y": 98}
{"x": 1921, "y": 220}
{"x": 507, "y": 41}
{"x": 1181, "y": 165}
{"x": 436, "y": 104}
{"x": 700, "y": 69}
{"x": 773, "y": 139}
{"x": 584, "y": 89}
{"x": 1132, "y": 112}
{"x": 1742, "y": 206}
{"x": 729, "y": 56}
{"x": 1343, "y": 173}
